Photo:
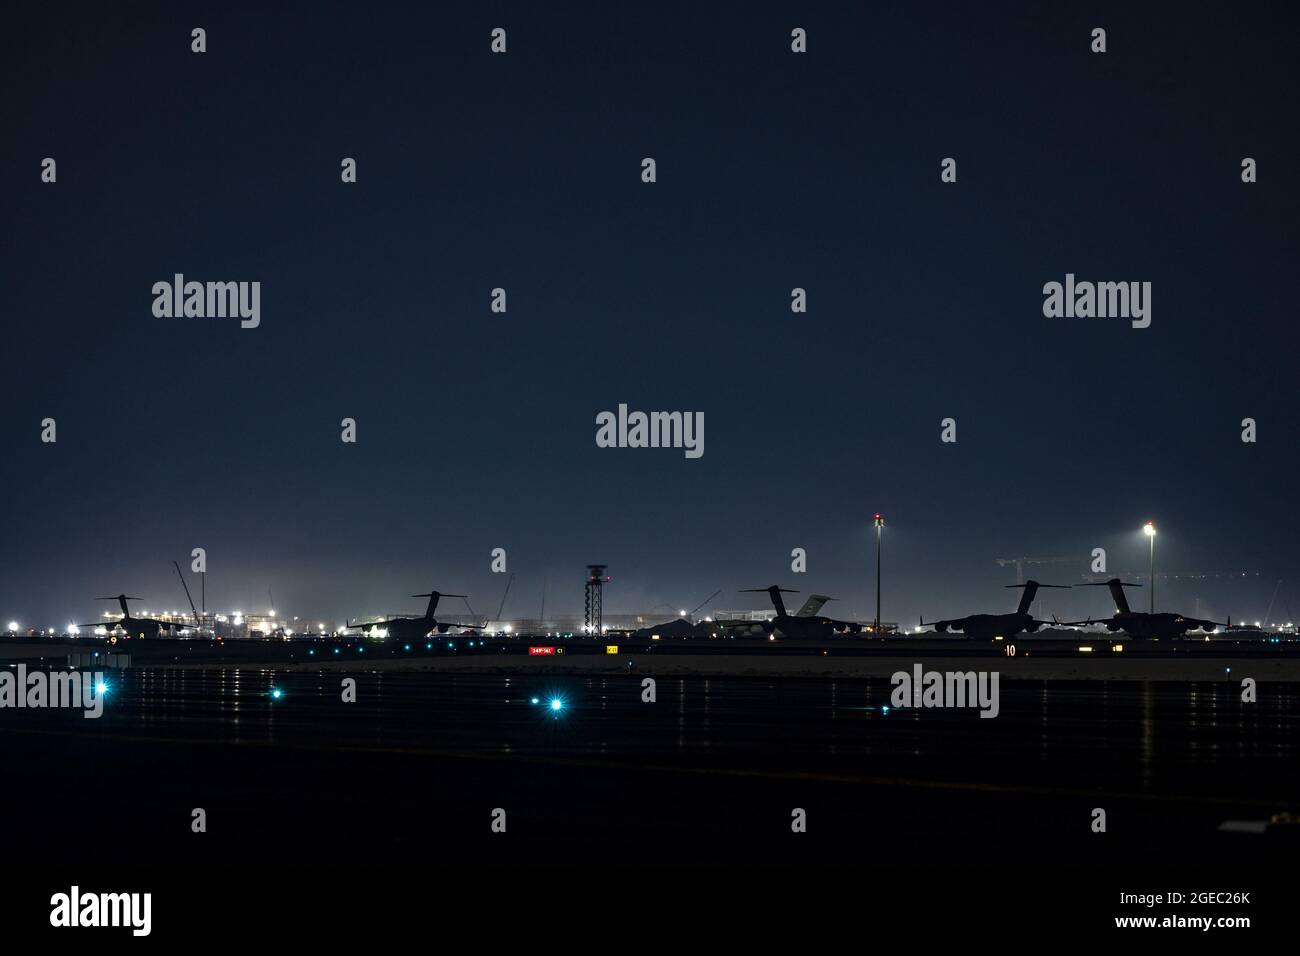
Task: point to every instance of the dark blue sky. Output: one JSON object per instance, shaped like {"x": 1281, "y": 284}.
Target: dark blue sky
{"x": 523, "y": 171}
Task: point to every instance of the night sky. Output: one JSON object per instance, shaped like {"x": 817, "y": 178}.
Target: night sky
{"x": 523, "y": 171}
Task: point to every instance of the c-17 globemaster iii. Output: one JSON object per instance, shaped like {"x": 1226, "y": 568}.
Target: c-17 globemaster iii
{"x": 992, "y": 626}
{"x": 138, "y": 627}
{"x": 417, "y": 628}
{"x": 1141, "y": 624}
{"x": 803, "y": 625}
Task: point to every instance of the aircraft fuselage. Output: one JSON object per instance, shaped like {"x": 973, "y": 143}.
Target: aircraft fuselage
{"x": 1137, "y": 624}
{"x": 990, "y": 626}
{"x": 410, "y": 628}
{"x": 809, "y": 628}
{"x": 405, "y": 628}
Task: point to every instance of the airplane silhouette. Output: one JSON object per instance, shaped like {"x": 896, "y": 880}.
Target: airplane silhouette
{"x": 990, "y": 626}
{"x": 416, "y": 628}
{"x": 1142, "y": 624}
{"x": 141, "y": 627}
{"x": 806, "y": 624}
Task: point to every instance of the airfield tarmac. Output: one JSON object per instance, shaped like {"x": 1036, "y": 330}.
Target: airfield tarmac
{"x": 709, "y": 773}
{"x": 1073, "y": 656}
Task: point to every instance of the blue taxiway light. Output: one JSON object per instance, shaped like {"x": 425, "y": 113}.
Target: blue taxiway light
{"x": 536, "y": 701}
{"x": 884, "y": 710}
{"x": 276, "y": 693}
{"x": 428, "y": 647}
{"x": 406, "y": 647}
{"x": 101, "y": 688}
{"x": 336, "y": 650}
{"x": 557, "y": 704}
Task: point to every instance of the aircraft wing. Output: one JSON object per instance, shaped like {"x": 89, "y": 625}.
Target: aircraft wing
{"x": 854, "y": 626}
{"x": 1205, "y": 625}
{"x": 367, "y": 625}
{"x": 739, "y": 623}
{"x": 957, "y": 622}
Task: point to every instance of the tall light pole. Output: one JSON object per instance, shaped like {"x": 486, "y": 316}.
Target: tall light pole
{"x": 1149, "y": 529}
{"x": 880, "y": 525}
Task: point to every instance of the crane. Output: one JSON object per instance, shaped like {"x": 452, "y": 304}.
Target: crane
{"x": 1034, "y": 559}
{"x": 1020, "y": 563}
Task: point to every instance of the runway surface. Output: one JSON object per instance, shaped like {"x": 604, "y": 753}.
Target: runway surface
{"x": 709, "y": 772}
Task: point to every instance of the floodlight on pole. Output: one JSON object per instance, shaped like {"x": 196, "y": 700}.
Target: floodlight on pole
{"x": 880, "y": 525}
{"x": 1149, "y": 529}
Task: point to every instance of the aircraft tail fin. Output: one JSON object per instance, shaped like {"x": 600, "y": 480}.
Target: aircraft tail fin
{"x": 1030, "y": 590}
{"x": 774, "y": 592}
{"x": 121, "y": 599}
{"x": 812, "y": 605}
{"x": 1117, "y": 587}
{"x": 433, "y": 597}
